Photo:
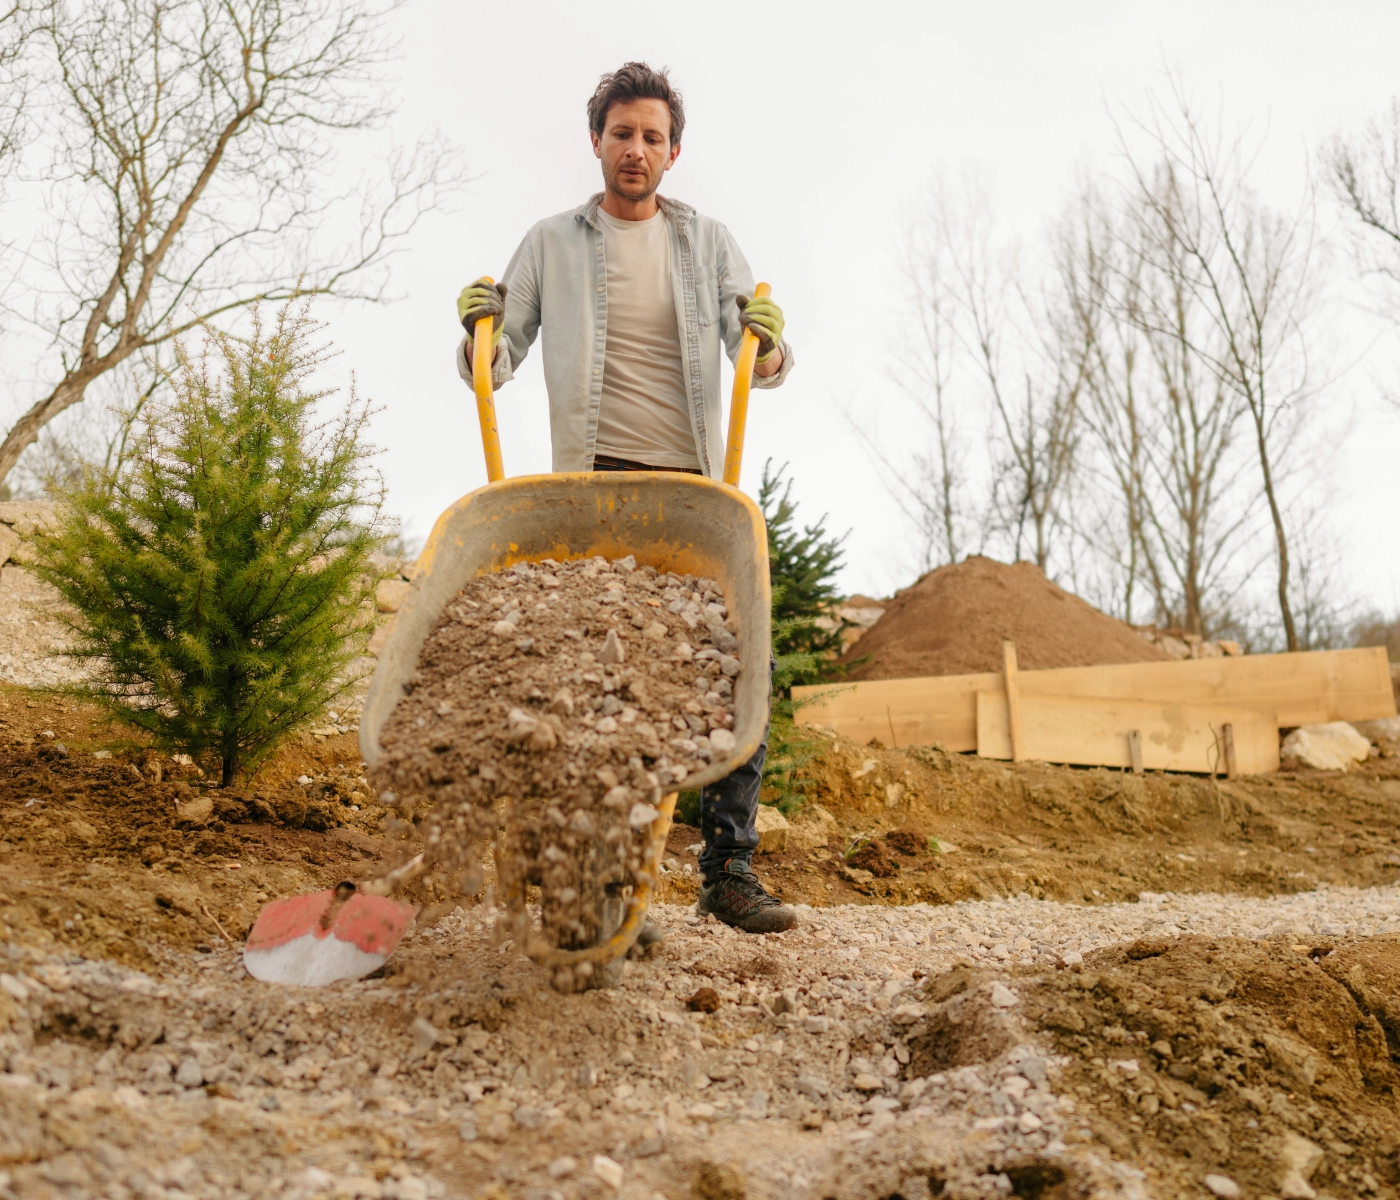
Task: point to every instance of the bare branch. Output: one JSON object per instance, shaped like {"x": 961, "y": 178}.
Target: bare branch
{"x": 190, "y": 143}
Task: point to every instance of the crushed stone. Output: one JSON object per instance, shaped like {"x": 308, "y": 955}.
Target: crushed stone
{"x": 817, "y": 1075}
{"x": 559, "y": 701}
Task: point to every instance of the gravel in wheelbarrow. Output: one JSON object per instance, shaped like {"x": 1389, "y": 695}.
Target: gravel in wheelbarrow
{"x": 552, "y": 707}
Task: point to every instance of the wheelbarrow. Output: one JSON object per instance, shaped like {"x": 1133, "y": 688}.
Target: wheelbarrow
{"x": 686, "y": 524}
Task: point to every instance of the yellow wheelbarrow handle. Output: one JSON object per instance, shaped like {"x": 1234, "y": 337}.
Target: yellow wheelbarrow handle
{"x": 485, "y": 398}
{"x": 739, "y": 401}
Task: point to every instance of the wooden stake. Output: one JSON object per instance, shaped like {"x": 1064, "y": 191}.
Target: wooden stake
{"x": 1227, "y": 735}
{"x": 1013, "y": 699}
{"x": 1135, "y": 750}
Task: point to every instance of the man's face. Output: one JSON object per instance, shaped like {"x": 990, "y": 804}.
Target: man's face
{"x": 635, "y": 148}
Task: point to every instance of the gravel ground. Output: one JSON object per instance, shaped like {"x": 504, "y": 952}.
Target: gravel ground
{"x": 461, "y": 1071}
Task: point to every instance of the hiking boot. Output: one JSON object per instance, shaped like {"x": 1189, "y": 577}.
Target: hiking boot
{"x": 737, "y": 898}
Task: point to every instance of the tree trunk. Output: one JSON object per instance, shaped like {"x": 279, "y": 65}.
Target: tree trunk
{"x": 25, "y": 432}
{"x": 1290, "y": 633}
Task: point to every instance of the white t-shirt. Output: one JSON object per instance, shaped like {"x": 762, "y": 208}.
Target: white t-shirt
{"x": 644, "y": 414}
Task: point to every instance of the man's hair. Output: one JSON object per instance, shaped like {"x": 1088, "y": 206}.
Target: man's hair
{"x": 635, "y": 81}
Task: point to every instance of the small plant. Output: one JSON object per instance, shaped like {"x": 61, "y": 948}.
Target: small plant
{"x": 218, "y": 577}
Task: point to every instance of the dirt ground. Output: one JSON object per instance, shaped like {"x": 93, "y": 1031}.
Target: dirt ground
{"x": 1027, "y": 1008}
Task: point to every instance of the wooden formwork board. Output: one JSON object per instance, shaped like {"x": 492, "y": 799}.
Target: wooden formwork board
{"x": 1090, "y": 731}
{"x": 1296, "y": 689}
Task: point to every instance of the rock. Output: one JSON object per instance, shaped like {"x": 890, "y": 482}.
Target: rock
{"x": 1384, "y": 732}
{"x": 425, "y": 1035}
{"x": 865, "y": 1082}
{"x": 816, "y": 1024}
{"x": 641, "y": 815}
{"x": 9, "y": 543}
{"x": 908, "y": 1014}
{"x": 189, "y": 1073}
{"x": 772, "y": 828}
{"x": 1298, "y": 1158}
{"x": 812, "y": 1086}
{"x": 409, "y": 1187}
{"x": 1222, "y": 1186}
{"x": 389, "y": 594}
{"x": 1330, "y": 747}
{"x": 811, "y": 829}
{"x": 705, "y": 1000}
{"x": 196, "y": 811}
{"x": 722, "y": 741}
{"x": 83, "y": 831}
{"x": 718, "y": 1181}
{"x": 608, "y": 1170}
{"x": 612, "y": 652}
{"x": 655, "y": 632}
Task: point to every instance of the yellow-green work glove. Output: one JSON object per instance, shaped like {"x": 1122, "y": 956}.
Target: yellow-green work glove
{"x": 483, "y": 299}
{"x": 766, "y": 320}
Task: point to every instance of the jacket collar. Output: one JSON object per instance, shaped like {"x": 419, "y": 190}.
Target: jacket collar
{"x": 676, "y": 211}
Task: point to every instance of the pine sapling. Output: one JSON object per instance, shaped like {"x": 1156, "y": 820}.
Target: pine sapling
{"x": 219, "y": 578}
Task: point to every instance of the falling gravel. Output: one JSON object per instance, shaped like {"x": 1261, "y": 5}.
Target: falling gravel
{"x": 553, "y": 706}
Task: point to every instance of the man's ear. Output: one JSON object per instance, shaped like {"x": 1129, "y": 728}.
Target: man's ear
{"x": 597, "y": 144}
{"x": 675, "y": 154}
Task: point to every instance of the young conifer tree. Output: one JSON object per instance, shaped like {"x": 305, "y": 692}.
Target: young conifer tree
{"x": 803, "y": 562}
{"x": 218, "y": 577}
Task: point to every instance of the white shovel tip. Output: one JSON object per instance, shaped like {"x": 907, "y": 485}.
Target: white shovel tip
{"x": 309, "y": 961}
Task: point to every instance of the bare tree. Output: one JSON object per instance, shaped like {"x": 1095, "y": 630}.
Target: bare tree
{"x": 1163, "y": 419}
{"x": 1032, "y": 360}
{"x": 932, "y": 488}
{"x": 983, "y": 345}
{"x": 189, "y": 151}
{"x": 1364, "y": 174}
{"x": 1252, "y": 271}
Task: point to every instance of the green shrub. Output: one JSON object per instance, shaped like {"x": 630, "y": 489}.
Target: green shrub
{"x": 219, "y": 576}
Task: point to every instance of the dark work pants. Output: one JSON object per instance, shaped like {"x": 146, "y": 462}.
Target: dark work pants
{"x": 727, "y": 808}
{"x": 727, "y": 811}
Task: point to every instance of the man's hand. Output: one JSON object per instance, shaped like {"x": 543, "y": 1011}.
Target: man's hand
{"x": 766, "y": 320}
{"x": 483, "y": 299}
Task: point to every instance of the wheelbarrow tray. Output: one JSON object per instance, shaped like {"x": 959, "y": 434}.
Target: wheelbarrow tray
{"x": 686, "y": 524}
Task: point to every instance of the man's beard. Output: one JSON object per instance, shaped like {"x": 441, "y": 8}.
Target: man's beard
{"x": 611, "y": 182}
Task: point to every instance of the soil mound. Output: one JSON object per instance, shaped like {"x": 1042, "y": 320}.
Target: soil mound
{"x": 953, "y": 620}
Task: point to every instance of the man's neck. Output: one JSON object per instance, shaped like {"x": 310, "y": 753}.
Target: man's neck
{"x": 622, "y": 209}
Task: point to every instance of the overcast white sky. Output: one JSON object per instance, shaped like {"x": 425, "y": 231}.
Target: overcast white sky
{"x": 813, "y": 129}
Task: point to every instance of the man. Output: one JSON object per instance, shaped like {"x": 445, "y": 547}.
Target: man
{"x": 637, "y": 292}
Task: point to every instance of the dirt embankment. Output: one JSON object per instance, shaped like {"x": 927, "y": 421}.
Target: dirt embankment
{"x": 954, "y": 619}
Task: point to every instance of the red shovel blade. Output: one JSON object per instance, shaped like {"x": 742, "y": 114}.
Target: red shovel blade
{"x": 291, "y": 942}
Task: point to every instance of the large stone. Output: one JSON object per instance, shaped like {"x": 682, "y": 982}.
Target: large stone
{"x": 1334, "y": 746}
{"x": 773, "y": 830}
{"x": 9, "y": 543}
{"x": 1385, "y": 732}
{"x": 811, "y": 829}
{"x": 389, "y": 594}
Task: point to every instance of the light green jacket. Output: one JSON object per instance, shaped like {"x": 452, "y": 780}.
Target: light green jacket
{"x": 557, "y": 279}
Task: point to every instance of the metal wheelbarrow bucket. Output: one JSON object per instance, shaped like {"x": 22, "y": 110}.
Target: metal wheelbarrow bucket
{"x": 686, "y": 524}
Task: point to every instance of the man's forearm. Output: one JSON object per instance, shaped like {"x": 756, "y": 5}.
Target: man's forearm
{"x": 765, "y": 370}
